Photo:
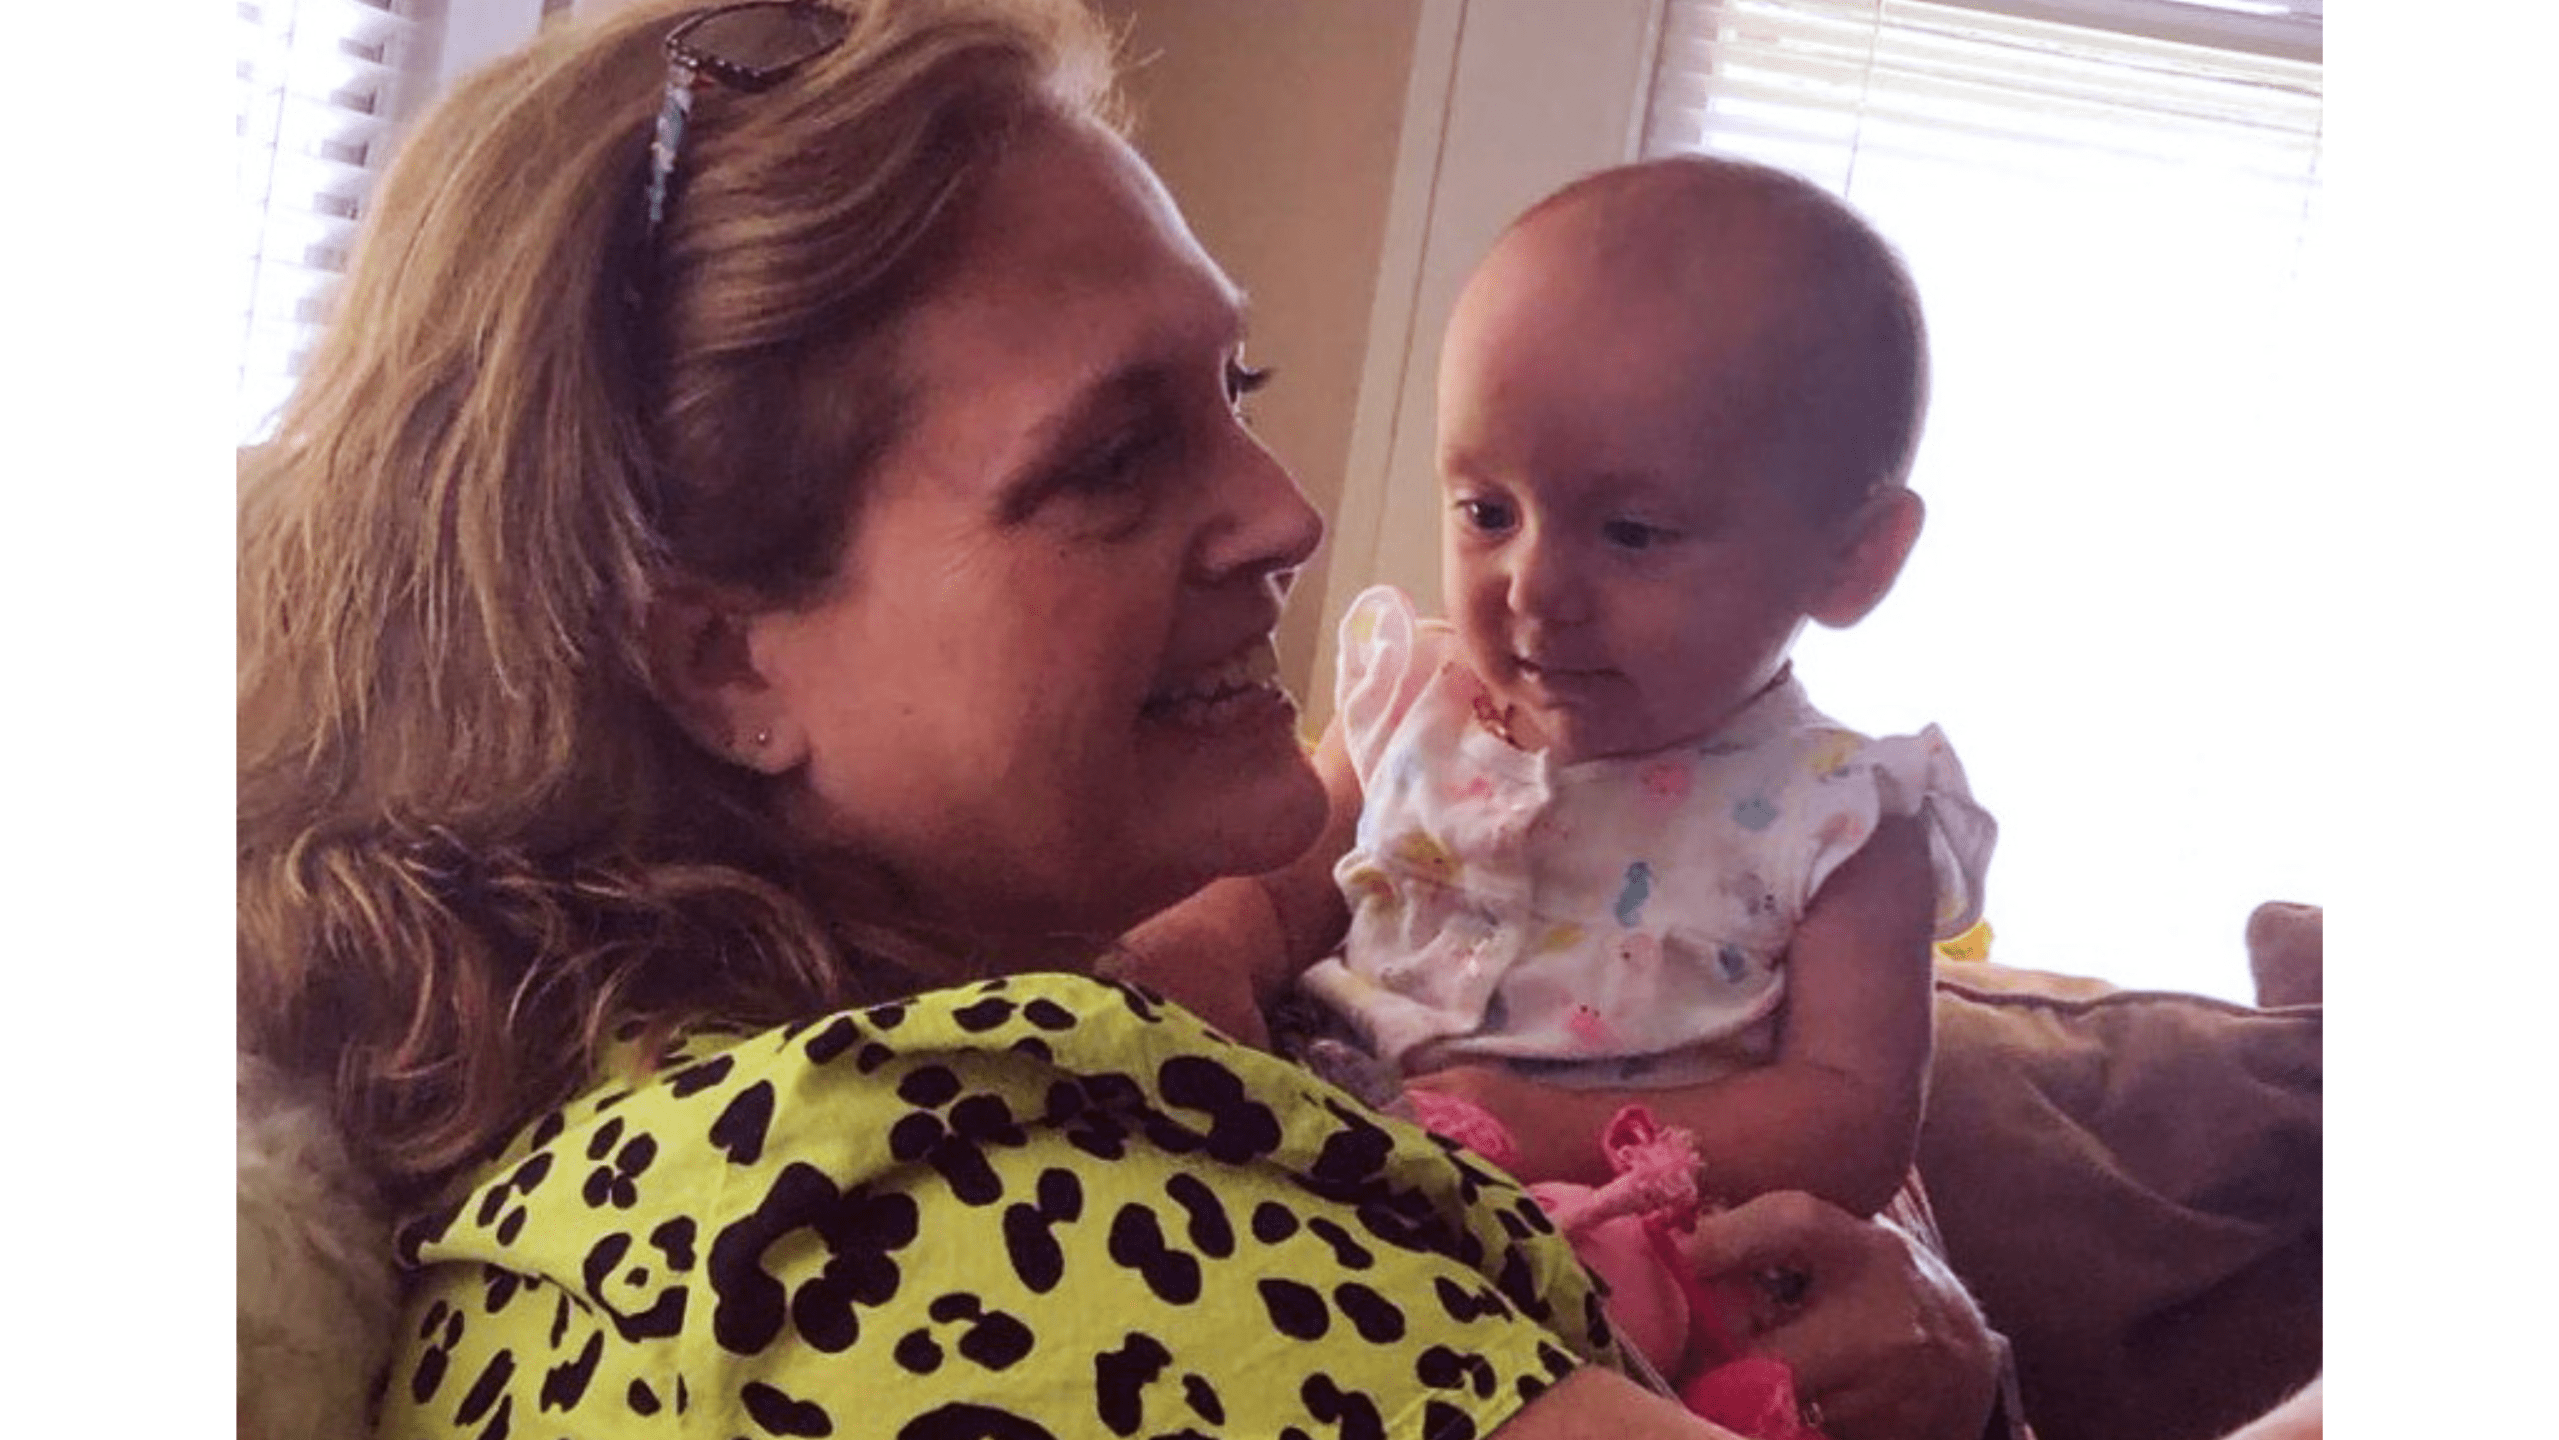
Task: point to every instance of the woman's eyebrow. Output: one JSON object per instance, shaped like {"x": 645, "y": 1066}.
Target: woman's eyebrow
{"x": 1051, "y": 446}
{"x": 1051, "y": 442}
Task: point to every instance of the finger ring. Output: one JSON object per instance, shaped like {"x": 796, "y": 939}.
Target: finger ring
{"x": 1812, "y": 1410}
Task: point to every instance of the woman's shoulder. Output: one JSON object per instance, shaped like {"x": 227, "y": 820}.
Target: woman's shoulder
{"x": 1048, "y": 1171}
{"x": 893, "y": 1080}
{"x": 972, "y": 1095}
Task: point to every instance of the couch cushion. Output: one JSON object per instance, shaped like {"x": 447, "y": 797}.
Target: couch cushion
{"x": 317, "y": 1294}
{"x": 2130, "y": 1182}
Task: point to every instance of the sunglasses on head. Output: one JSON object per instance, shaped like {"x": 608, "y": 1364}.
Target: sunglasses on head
{"x": 750, "y": 47}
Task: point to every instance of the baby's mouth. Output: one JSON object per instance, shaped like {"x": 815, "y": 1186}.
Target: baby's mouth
{"x": 1536, "y": 671}
{"x": 1242, "y": 685}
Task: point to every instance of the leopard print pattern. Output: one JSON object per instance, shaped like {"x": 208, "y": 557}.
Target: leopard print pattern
{"x": 1038, "y": 1207}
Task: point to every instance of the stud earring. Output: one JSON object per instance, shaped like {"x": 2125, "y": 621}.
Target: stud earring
{"x": 763, "y": 738}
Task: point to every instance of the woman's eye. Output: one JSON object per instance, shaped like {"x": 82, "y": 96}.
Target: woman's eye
{"x": 1492, "y": 517}
{"x": 1118, "y": 465}
{"x": 1633, "y": 534}
{"x": 1242, "y": 381}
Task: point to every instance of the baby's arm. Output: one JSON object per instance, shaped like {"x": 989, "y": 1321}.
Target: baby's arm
{"x": 1236, "y": 944}
{"x": 1837, "y": 1112}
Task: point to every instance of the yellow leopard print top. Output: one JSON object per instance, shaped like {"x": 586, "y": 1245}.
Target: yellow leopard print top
{"x": 1042, "y": 1207}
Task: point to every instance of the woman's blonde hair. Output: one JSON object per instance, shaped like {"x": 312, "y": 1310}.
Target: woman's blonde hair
{"x": 473, "y": 846}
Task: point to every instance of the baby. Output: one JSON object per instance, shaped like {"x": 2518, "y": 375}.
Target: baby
{"x": 1590, "y": 844}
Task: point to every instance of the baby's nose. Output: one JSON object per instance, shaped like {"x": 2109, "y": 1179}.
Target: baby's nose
{"x": 1547, "y": 585}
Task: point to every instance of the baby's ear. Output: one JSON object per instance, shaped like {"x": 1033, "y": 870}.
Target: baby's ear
{"x": 1873, "y": 543}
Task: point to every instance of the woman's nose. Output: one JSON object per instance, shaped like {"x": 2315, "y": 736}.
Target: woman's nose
{"x": 1264, "y": 525}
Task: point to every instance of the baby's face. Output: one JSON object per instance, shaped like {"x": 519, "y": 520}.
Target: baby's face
{"x": 1619, "y": 577}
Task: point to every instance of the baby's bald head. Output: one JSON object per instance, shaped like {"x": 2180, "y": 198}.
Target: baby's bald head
{"x": 1809, "y": 350}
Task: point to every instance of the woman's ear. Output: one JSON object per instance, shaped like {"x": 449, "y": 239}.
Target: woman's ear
{"x": 702, "y": 662}
{"x": 1876, "y": 540}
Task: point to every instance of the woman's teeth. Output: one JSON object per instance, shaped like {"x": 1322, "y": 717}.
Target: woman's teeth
{"x": 1242, "y": 684}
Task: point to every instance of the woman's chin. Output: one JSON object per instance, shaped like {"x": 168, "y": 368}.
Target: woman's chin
{"x": 1295, "y": 809}
{"x": 1255, "y": 813}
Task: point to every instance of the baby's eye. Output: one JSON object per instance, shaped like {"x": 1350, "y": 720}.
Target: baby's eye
{"x": 1492, "y": 517}
{"x": 1633, "y": 534}
{"x": 1242, "y": 381}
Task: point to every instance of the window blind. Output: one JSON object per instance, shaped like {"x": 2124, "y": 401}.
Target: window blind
{"x": 322, "y": 88}
{"x": 2226, "y": 100}
{"x": 2111, "y": 208}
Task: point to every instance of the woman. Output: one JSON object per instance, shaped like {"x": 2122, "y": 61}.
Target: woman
{"x": 724, "y": 617}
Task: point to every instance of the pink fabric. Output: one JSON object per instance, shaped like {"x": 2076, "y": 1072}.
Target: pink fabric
{"x": 1470, "y": 1125}
{"x": 1752, "y": 1396}
{"x": 1623, "y": 1231}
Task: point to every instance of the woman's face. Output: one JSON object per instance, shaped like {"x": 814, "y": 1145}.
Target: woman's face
{"x": 1040, "y": 690}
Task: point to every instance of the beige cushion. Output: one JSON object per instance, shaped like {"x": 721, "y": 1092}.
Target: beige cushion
{"x": 317, "y": 1293}
{"x": 2130, "y": 1182}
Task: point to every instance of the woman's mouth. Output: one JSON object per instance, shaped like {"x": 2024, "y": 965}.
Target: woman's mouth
{"x": 1243, "y": 687}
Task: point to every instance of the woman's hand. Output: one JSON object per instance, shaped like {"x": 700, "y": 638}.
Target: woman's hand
{"x": 1882, "y": 1339}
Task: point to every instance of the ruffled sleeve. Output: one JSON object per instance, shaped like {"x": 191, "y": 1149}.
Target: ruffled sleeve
{"x": 1387, "y": 656}
{"x": 1904, "y": 775}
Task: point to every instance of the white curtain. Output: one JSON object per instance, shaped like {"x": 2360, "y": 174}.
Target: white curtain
{"x": 2111, "y": 208}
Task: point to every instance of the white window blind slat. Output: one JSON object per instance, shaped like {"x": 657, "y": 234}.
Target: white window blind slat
{"x": 275, "y": 348}
{"x": 286, "y": 290}
{"x": 2286, "y": 29}
{"x": 2108, "y": 206}
{"x": 1873, "y": 69}
{"x": 321, "y": 89}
